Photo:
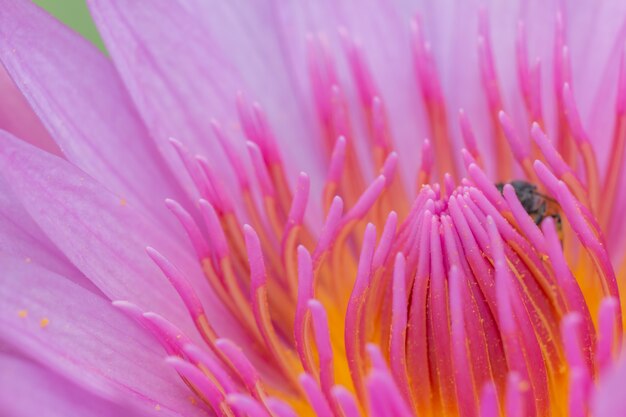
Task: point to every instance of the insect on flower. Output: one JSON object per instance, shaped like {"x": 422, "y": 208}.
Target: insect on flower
{"x": 538, "y": 205}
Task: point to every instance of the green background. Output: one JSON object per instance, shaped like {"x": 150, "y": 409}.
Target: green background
{"x": 75, "y": 14}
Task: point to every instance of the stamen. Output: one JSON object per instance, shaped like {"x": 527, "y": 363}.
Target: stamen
{"x": 462, "y": 371}
{"x": 467, "y": 133}
{"x": 324, "y": 347}
{"x": 208, "y": 391}
{"x": 258, "y": 295}
{"x": 492, "y": 91}
{"x": 489, "y": 401}
{"x": 520, "y": 152}
{"x": 433, "y": 99}
{"x": 186, "y": 293}
{"x": 426, "y": 164}
{"x": 279, "y": 408}
{"x": 384, "y": 397}
{"x": 353, "y": 336}
{"x": 589, "y": 156}
{"x": 247, "y": 405}
{"x": 242, "y": 365}
{"x": 315, "y": 396}
{"x": 233, "y": 156}
{"x": 609, "y": 342}
{"x": 346, "y": 401}
{"x": 514, "y": 402}
{"x": 397, "y": 349}
{"x": 302, "y": 316}
{"x": 208, "y": 364}
{"x": 193, "y": 232}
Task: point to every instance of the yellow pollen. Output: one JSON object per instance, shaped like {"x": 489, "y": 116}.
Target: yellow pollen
{"x": 43, "y": 323}
{"x": 22, "y": 314}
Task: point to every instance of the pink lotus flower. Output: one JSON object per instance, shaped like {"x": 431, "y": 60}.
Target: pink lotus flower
{"x": 392, "y": 277}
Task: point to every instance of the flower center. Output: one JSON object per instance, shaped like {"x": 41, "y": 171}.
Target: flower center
{"x": 417, "y": 305}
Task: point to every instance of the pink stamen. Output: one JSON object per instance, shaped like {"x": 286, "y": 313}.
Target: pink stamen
{"x": 222, "y": 198}
{"x": 258, "y": 295}
{"x": 384, "y": 397}
{"x": 565, "y": 279}
{"x": 191, "y": 228}
{"x": 202, "y": 383}
{"x": 305, "y": 293}
{"x": 506, "y": 317}
{"x": 268, "y": 141}
{"x": 397, "y": 348}
{"x": 608, "y": 340}
{"x": 246, "y": 405}
{"x": 346, "y": 401}
{"x": 260, "y": 169}
{"x": 279, "y": 408}
{"x": 467, "y": 133}
{"x": 337, "y": 161}
{"x": 379, "y": 122}
{"x": 386, "y": 241}
{"x": 203, "y": 187}
{"x": 366, "y": 200}
{"x": 324, "y": 346}
{"x": 389, "y": 167}
{"x": 571, "y": 334}
{"x": 554, "y": 159}
{"x": 520, "y": 152}
{"x": 353, "y": 337}
{"x": 299, "y": 202}
{"x": 163, "y": 331}
{"x": 487, "y": 187}
{"x": 438, "y": 322}
{"x": 170, "y": 336}
{"x": 241, "y": 364}
{"x": 489, "y": 401}
{"x": 486, "y": 62}
{"x": 573, "y": 117}
{"x": 417, "y": 350}
{"x": 579, "y": 389}
{"x": 424, "y": 64}
{"x": 526, "y": 224}
{"x": 180, "y": 284}
{"x": 329, "y": 229}
{"x": 462, "y": 369}
{"x": 315, "y": 396}
{"x": 214, "y": 228}
{"x": 204, "y": 358}
{"x": 514, "y": 402}
{"x": 360, "y": 71}
{"x": 232, "y": 155}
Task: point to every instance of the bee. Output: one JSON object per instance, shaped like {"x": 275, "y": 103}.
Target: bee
{"x": 538, "y": 206}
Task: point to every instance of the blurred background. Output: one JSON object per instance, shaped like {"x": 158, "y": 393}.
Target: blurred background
{"x": 75, "y": 14}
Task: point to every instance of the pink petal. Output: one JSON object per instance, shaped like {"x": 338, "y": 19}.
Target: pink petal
{"x": 30, "y": 390}
{"x": 17, "y": 117}
{"x": 78, "y": 96}
{"x": 22, "y": 238}
{"x": 181, "y": 78}
{"x": 104, "y": 236}
{"x": 84, "y": 338}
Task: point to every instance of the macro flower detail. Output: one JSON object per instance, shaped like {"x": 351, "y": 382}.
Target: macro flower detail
{"x": 313, "y": 209}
